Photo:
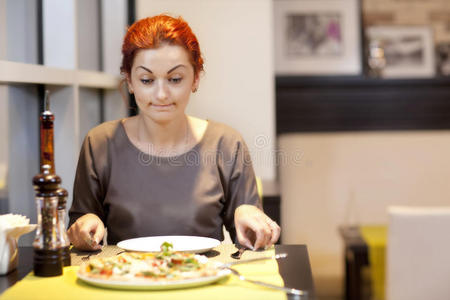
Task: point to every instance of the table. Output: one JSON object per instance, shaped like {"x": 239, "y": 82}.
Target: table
{"x": 356, "y": 257}
{"x": 295, "y": 269}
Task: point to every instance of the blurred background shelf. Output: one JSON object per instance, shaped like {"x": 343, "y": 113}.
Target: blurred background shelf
{"x": 15, "y": 72}
{"x": 97, "y": 80}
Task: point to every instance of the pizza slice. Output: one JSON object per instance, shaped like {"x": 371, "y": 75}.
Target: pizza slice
{"x": 166, "y": 265}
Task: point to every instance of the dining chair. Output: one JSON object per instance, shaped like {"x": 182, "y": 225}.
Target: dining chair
{"x": 418, "y": 253}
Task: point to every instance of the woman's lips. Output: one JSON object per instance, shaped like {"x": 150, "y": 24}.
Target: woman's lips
{"x": 162, "y": 105}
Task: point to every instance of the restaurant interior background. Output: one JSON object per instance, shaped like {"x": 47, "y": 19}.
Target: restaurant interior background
{"x": 337, "y": 134}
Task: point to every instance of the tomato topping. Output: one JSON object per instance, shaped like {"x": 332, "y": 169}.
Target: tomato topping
{"x": 107, "y": 272}
{"x": 177, "y": 261}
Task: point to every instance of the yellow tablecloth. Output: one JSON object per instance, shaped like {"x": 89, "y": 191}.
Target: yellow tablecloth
{"x": 376, "y": 237}
{"x": 69, "y": 287}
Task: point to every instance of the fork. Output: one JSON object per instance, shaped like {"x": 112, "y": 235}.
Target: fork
{"x": 105, "y": 243}
{"x": 85, "y": 258}
{"x": 238, "y": 254}
{"x": 288, "y": 290}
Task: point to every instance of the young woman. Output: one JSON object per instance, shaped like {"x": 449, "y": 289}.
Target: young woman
{"x": 163, "y": 172}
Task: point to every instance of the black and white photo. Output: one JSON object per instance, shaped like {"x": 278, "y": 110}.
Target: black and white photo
{"x": 314, "y": 35}
{"x": 408, "y": 50}
{"x": 317, "y": 37}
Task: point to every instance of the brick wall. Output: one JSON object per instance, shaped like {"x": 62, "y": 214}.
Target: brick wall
{"x": 435, "y": 13}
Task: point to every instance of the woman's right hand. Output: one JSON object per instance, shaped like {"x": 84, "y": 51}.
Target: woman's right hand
{"x": 87, "y": 232}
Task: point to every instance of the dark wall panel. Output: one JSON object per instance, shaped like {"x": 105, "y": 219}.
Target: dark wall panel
{"x": 324, "y": 104}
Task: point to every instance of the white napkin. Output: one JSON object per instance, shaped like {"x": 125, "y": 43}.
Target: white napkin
{"x": 11, "y": 228}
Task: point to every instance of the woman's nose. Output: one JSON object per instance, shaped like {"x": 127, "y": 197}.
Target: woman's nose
{"x": 162, "y": 92}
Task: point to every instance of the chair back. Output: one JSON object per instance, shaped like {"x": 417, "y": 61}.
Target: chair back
{"x": 418, "y": 253}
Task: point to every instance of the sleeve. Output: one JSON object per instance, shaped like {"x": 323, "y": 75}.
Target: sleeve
{"x": 88, "y": 191}
{"x": 241, "y": 187}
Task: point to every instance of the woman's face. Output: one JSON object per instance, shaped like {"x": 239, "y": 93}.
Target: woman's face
{"x": 162, "y": 80}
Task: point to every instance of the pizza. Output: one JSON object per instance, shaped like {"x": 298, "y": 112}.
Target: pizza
{"x": 166, "y": 265}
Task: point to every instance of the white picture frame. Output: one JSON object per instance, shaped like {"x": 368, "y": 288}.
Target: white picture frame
{"x": 317, "y": 37}
{"x": 408, "y": 50}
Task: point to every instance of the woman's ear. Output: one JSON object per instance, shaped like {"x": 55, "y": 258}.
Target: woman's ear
{"x": 195, "y": 83}
{"x": 129, "y": 85}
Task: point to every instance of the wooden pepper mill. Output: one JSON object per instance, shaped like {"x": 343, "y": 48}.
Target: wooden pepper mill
{"x": 47, "y": 251}
{"x": 50, "y": 236}
{"x": 63, "y": 239}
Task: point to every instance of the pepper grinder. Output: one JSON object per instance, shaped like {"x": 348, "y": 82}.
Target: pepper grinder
{"x": 47, "y": 252}
{"x": 63, "y": 239}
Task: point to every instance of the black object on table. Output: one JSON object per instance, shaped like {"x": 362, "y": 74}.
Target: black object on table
{"x": 356, "y": 257}
{"x": 295, "y": 269}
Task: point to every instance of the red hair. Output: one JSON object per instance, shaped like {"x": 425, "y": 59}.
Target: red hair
{"x": 152, "y": 32}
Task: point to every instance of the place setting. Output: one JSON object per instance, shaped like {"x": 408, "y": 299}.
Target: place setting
{"x": 147, "y": 264}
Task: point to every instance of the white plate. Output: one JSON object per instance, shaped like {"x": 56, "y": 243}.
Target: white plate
{"x": 159, "y": 285}
{"x": 183, "y": 243}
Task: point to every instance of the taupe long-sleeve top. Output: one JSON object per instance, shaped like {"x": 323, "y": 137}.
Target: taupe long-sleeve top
{"x": 136, "y": 194}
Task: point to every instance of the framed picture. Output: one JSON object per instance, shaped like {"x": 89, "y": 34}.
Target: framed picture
{"x": 317, "y": 37}
{"x": 443, "y": 58}
{"x": 408, "y": 50}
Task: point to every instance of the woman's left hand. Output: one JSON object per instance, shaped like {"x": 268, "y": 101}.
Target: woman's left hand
{"x": 254, "y": 228}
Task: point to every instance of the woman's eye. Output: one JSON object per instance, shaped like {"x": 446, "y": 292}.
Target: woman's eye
{"x": 175, "y": 80}
{"x": 146, "y": 81}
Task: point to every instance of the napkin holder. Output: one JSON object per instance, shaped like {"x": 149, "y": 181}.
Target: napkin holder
{"x": 9, "y": 253}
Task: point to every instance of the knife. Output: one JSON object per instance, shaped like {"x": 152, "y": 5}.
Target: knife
{"x": 243, "y": 261}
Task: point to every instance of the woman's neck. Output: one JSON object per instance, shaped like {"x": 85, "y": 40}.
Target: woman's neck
{"x": 165, "y": 139}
